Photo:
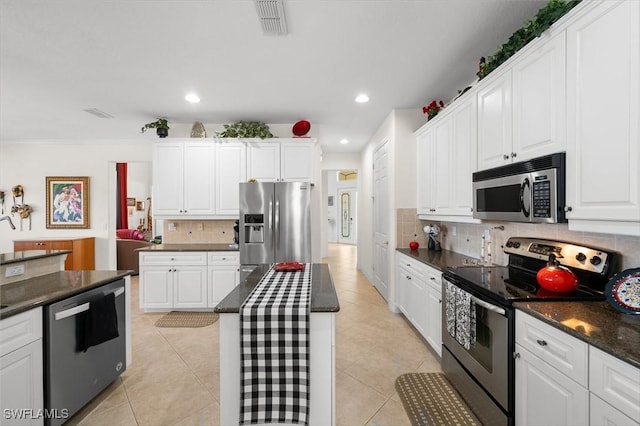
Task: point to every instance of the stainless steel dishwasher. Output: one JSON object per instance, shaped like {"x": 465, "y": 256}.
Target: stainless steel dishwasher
{"x": 73, "y": 376}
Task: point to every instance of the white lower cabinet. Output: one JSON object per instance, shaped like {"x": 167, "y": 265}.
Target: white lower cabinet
{"x": 21, "y": 369}
{"x": 419, "y": 298}
{"x": 561, "y": 380}
{"x": 223, "y": 275}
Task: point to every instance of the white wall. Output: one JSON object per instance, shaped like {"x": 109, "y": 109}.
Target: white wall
{"x": 28, "y": 164}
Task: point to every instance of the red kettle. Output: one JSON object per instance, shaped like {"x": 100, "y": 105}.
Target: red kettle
{"x": 556, "y": 277}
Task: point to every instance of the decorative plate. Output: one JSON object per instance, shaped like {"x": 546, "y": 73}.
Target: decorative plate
{"x": 301, "y": 128}
{"x": 288, "y": 266}
{"x": 623, "y": 291}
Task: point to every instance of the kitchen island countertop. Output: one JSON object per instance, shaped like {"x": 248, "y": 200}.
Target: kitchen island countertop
{"x": 21, "y": 296}
{"x": 323, "y": 292}
{"x": 439, "y": 259}
{"x": 190, "y": 247}
{"x": 26, "y": 255}
{"x": 596, "y": 323}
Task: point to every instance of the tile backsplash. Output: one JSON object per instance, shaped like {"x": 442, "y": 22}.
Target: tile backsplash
{"x": 466, "y": 238}
{"x": 198, "y": 231}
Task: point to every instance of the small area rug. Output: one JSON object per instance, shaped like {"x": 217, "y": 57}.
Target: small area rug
{"x": 429, "y": 399}
{"x": 187, "y": 319}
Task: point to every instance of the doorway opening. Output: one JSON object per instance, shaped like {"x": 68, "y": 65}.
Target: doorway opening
{"x": 342, "y": 207}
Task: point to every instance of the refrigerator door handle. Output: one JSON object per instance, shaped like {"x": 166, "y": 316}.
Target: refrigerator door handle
{"x": 277, "y": 225}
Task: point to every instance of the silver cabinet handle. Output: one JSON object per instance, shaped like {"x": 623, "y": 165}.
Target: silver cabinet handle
{"x": 505, "y": 156}
{"x": 81, "y": 308}
{"x": 513, "y": 155}
{"x": 541, "y": 342}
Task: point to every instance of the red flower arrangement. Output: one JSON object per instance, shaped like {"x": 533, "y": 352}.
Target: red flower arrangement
{"x": 433, "y": 109}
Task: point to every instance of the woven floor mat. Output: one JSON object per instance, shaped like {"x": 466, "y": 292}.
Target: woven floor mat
{"x": 429, "y": 399}
{"x": 187, "y": 319}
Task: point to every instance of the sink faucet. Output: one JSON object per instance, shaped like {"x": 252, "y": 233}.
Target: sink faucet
{"x": 9, "y": 219}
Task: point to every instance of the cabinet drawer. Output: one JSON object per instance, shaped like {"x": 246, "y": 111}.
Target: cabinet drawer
{"x": 173, "y": 258}
{"x": 562, "y": 351}
{"x": 412, "y": 266}
{"x": 615, "y": 381}
{"x": 224, "y": 258}
{"x": 20, "y": 330}
{"x": 601, "y": 413}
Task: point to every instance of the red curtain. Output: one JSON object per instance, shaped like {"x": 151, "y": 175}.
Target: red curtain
{"x": 122, "y": 215}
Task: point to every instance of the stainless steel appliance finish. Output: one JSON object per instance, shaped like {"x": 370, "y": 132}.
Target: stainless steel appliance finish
{"x": 484, "y": 373}
{"x": 275, "y": 223}
{"x": 529, "y": 191}
{"x": 72, "y": 377}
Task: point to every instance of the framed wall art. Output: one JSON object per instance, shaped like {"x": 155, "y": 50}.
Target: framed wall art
{"x": 67, "y": 202}
{"x": 131, "y": 202}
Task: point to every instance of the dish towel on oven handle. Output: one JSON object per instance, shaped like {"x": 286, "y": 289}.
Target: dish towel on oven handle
{"x": 274, "y": 340}
{"x": 460, "y": 315}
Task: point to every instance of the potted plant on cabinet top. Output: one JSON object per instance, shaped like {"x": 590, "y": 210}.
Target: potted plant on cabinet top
{"x": 161, "y": 125}
{"x": 244, "y": 129}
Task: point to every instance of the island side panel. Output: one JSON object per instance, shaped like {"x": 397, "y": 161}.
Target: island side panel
{"x": 322, "y": 380}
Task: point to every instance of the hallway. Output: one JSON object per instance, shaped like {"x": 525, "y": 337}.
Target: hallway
{"x": 174, "y": 377}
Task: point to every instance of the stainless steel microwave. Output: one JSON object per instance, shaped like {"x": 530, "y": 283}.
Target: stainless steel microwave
{"x": 528, "y": 191}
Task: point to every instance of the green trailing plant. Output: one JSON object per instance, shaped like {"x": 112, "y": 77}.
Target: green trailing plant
{"x": 246, "y": 129}
{"x": 545, "y": 17}
{"x": 160, "y": 123}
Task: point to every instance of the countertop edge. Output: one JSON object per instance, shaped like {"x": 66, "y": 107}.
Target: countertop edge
{"x": 438, "y": 259}
{"x": 189, "y": 247}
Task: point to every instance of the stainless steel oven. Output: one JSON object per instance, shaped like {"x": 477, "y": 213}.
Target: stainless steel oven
{"x": 529, "y": 191}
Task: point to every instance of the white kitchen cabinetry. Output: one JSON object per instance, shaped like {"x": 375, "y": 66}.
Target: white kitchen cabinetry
{"x": 21, "y": 367}
{"x": 280, "y": 161}
{"x": 521, "y": 109}
{"x": 419, "y": 298}
{"x": 173, "y": 280}
{"x": 184, "y": 179}
{"x": 231, "y": 169}
{"x": 446, "y": 159}
{"x": 551, "y": 372}
{"x": 223, "y": 275}
{"x": 603, "y": 118}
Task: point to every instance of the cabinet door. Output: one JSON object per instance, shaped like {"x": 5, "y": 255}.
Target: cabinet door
{"x": 601, "y": 413}
{"x": 222, "y": 279}
{"x": 296, "y": 162}
{"x": 156, "y": 287}
{"x": 603, "y": 113}
{"x": 402, "y": 288}
{"x": 463, "y": 158}
{"x": 21, "y": 379}
{"x": 495, "y": 122}
{"x": 199, "y": 179}
{"x": 168, "y": 179}
{"x": 426, "y": 174}
{"x": 546, "y": 397}
{"x": 263, "y": 161}
{"x": 190, "y": 286}
{"x": 440, "y": 163}
{"x": 231, "y": 169}
{"x": 539, "y": 100}
{"x": 434, "y": 314}
{"x": 417, "y": 293}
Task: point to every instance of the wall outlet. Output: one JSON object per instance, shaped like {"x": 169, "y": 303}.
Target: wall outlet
{"x": 14, "y": 270}
{"x": 454, "y": 231}
{"x": 200, "y": 227}
{"x": 172, "y": 226}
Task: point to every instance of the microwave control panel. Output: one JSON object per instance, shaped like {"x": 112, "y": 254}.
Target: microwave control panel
{"x": 541, "y": 199}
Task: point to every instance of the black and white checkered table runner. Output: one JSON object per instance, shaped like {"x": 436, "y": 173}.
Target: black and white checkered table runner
{"x": 274, "y": 349}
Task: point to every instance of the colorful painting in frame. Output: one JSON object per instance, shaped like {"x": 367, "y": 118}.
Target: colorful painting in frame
{"x": 67, "y": 202}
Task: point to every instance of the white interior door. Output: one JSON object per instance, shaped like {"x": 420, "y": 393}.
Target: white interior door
{"x": 381, "y": 221}
{"x": 347, "y": 209}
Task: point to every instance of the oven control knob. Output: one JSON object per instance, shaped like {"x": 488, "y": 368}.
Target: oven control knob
{"x": 595, "y": 260}
{"x": 516, "y": 244}
{"x": 581, "y": 257}
{"x": 509, "y": 243}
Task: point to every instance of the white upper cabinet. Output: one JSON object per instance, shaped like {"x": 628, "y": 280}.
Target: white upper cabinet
{"x": 446, "y": 160}
{"x": 521, "y": 110}
{"x": 183, "y": 178}
{"x": 603, "y": 98}
{"x": 231, "y": 169}
{"x": 280, "y": 161}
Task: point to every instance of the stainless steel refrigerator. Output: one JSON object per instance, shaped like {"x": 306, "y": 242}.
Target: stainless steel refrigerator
{"x": 275, "y": 224}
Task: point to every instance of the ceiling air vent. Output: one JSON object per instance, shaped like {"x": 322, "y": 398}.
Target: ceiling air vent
{"x": 271, "y": 16}
{"x": 98, "y": 113}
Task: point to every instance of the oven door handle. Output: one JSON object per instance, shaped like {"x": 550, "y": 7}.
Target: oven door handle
{"x": 81, "y": 308}
{"x": 489, "y": 306}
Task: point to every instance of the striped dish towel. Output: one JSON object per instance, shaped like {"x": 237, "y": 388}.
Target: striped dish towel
{"x": 274, "y": 339}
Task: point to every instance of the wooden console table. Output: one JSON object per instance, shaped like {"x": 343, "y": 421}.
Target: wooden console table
{"x": 81, "y": 258}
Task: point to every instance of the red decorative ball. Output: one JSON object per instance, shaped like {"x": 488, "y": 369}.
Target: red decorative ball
{"x": 413, "y": 245}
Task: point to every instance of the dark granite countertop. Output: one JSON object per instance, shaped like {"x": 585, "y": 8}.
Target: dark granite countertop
{"x": 25, "y": 255}
{"x": 438, "y": 259}
{"x": 21, "y": 296}
{"x": 190, "y": 247}
{"x": 596, "y": 323}
{"x": 323, "y": 292}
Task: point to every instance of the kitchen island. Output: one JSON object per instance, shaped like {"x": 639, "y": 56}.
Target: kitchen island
{"x": 323, "y": 306}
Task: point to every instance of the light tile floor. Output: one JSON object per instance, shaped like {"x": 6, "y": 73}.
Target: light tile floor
{"x": 174, "y": 377}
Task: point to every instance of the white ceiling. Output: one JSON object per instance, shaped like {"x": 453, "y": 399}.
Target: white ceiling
{"x": 137, "y": 59}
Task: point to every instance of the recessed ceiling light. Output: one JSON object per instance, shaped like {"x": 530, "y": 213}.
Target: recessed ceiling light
{"x": 362, "y": 98}
{"x": 344, "y": 141}
{"x": 193, "y": 98}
